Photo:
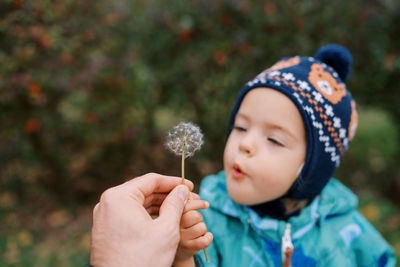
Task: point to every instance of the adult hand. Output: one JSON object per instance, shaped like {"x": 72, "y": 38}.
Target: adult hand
{"x": 125, "y": 234}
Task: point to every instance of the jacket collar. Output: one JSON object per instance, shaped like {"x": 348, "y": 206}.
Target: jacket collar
{"x": 335, "y": 199}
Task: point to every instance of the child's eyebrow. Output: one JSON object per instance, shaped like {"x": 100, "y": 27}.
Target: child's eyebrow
{"x": 243, "y": 116}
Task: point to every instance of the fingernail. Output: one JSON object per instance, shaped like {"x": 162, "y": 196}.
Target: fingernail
{"x": 183, "y": 192}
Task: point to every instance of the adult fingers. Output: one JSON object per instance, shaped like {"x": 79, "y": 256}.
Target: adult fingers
{"x": 194, "y": 196}
{"x": 153, "y": 182}
{"x": 154, "y": 199}
{"x": 96, "y": 208}
{"x": 172, "y": 208}
{"x": 153, "y": 202}
{"x": 153, "y": 210}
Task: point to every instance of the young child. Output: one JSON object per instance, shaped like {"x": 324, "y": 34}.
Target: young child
{"x": 275, "y": 203}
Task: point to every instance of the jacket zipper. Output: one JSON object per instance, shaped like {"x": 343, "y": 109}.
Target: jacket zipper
{"x": 287, "y": 246}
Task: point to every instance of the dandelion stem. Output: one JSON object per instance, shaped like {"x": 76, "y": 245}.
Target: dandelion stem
{"x": 183, "y": 182}
{"x": 206, "y": 255}
{"x": 183, "y": 166}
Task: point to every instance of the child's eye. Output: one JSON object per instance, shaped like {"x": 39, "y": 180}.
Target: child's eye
{"x": 274, "y": 141}
{"x": 239, "y": 128}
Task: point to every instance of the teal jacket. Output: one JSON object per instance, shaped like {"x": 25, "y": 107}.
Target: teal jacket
{"x": 328, "y": 232}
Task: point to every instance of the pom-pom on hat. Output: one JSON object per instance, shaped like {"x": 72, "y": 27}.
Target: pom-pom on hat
{"x": 316, "y": 86}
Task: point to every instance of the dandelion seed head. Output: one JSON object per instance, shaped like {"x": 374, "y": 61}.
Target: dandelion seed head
{"x": 185, "y": 137}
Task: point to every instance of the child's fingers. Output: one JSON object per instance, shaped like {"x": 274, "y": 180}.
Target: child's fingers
{"x": 196, "y": 204}
{"x": 194, "y": 231}
{"x": 199, "y": 243}
{"x": 194, "y": 196}
{"x": 191, "y": 218}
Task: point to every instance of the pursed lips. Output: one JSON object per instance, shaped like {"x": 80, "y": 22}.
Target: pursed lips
{"x": 237, "y": 172}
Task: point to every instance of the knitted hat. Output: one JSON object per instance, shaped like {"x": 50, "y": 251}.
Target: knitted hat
{"x": 316, "y": 86}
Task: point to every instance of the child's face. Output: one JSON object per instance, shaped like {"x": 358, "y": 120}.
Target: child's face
{"x": 266, "y": 148}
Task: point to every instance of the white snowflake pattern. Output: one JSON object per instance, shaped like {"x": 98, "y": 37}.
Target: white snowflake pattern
{"x": 342, "y": 133}
{"x": 288, "y": 76}
{"x": 329, "y": 149}
{"x": 329, "y": 110}
{"x": 298, "y": 98}
{"x": 261, "y": 75}
{"x": 346, "y": 143}
{"x": 336, "y": 159}
{"x": 317, "y": 125}
{"x": 324, "y": 138}
{"x": 303, "y": 85}
{"x": 274, "y": 73}
{"x": 252, "y": 82}
{"x": 309, "y": 110}
{"x": 318, "y": 97}
{"x": 337, "y": 122}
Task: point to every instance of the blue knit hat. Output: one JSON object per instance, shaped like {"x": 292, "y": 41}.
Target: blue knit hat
{"x": 316, "y": 86}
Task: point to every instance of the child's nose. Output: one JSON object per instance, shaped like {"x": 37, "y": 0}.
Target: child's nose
{"x": 248, "y": 144}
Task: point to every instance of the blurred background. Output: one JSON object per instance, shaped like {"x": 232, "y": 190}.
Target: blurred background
{"x": 88, "y": 90}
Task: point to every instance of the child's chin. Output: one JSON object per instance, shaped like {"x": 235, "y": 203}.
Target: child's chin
{"x": 239, "y": 198}
{"x": 242, "y": 198}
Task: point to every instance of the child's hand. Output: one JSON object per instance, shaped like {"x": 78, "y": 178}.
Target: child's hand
{"x": 194, "y": 235}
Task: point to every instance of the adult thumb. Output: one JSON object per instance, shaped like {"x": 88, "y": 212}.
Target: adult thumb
{"x": 172, "y": 208}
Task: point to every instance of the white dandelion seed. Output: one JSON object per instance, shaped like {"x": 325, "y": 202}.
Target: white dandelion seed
{"x": 184, "y": 139}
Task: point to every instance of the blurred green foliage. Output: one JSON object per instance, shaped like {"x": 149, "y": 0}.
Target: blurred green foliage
{"x": 372, "y": 160}
{"x": 88, "y": 89}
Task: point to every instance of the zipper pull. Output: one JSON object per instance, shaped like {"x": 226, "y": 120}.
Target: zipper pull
{"x": 287, "y": 246}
